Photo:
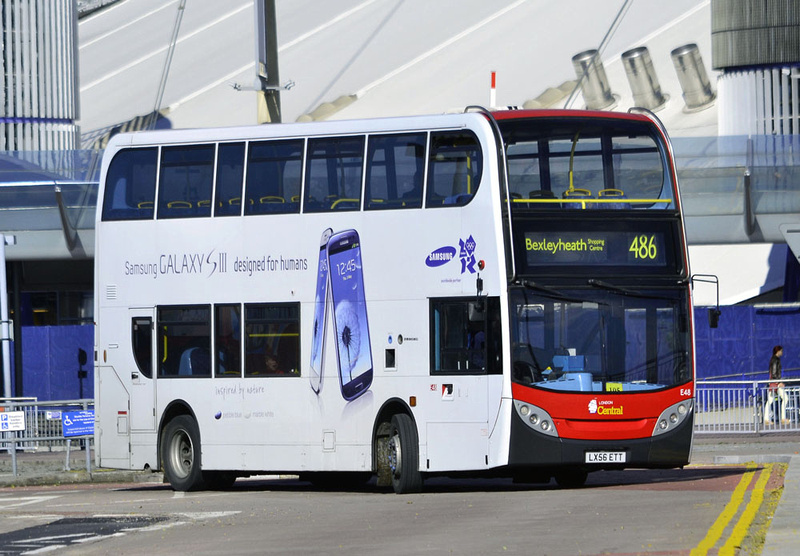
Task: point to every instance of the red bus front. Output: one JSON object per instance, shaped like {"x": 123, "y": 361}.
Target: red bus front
{"x": 599, "y": 300}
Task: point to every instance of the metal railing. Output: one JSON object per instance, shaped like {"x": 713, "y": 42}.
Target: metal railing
{"x": 43, "y": 428}
{"x": 742, "y": 407}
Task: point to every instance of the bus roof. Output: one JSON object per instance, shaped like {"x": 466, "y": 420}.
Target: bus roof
{"x": 560, "y": 113}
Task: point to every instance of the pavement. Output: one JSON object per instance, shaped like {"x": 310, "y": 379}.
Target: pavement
{"x": 43, "y": 468}
{"x": 783, "y": 535}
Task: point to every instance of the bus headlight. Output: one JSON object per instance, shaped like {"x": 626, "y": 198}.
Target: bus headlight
{"x": 536, "y": 418}
{"x": 672, "y": 417}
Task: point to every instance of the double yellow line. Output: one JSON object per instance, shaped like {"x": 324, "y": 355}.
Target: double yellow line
{"x": 731, "y": 509}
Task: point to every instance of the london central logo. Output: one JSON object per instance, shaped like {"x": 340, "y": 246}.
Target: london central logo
{"x": 605, "y": 407}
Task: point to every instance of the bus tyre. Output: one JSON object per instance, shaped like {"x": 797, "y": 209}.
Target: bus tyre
{"x": 403, "y": 455}
{"x": 571, "y": 478}
{"x": 180, "y": 453}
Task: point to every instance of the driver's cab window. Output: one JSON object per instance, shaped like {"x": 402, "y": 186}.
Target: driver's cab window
{"x": 465, "y": 336}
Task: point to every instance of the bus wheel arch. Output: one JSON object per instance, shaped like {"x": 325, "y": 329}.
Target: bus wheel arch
{"x": 396, "y": 448}
{"x": 179, "y": 448}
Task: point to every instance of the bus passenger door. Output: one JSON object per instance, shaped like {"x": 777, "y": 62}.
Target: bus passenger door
{"x": 143, "y": 379}
{"x": 466, "y": 360}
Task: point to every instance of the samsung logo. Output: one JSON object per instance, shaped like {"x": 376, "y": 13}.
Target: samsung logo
{"x": 441, "y": 256}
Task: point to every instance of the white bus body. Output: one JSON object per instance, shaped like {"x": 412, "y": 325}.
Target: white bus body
{"x": 399, "y": 297}
{"x": 252, "y": 424}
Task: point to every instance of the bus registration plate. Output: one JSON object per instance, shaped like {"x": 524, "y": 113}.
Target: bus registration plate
{"x": 605, "y": 457}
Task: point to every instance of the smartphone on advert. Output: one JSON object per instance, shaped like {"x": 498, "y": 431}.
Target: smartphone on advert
{"x": 320, "y": 314}
{"x": 346, "y": 279}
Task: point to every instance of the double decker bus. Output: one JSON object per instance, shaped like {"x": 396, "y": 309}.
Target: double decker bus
{"x": 486, "y": 293}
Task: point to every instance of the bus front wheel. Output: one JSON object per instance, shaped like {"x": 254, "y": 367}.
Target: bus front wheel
{"x": 180, "y": 453}
{"x": 403, "y": 453}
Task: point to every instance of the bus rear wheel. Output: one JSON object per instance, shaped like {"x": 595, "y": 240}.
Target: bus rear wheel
{"x": 403, "y": 453}
{"x": 180, "y": 453}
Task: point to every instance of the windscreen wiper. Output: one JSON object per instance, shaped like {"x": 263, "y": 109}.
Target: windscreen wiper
{"x": 624, "y": 291}
{"x": 551, "y": 292}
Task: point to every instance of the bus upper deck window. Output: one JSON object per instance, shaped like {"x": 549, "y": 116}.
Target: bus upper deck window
{"x": 130, "y": 186}
{"x": 333, "y": 174}
{"x": 454, "y": 170}
{"x": 184, "y": 187}
{"x": 576, "y": 163}
{"x": 230, "y": 171}
{"x": 395, "y": 170}
{"x": 274, "y": 171}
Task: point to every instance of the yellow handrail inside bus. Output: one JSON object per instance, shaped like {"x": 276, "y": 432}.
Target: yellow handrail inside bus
{"x": 572, "y": 160}
{"x": 469, "y": 174}
{"x": 343, "y": 200}
{"x": 164, "y": 359}
{"x": 604, "y": 200}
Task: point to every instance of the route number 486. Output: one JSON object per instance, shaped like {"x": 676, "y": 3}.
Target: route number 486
{"x": 644, "y": 247}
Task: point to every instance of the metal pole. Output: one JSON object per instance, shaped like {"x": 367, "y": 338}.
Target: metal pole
{"x": 13, "y": 448}
{"x": 16, "y": 269}
{"x": 267, "y": 79}
{"x": 87, "y": 440}
{"x": 165, "y": 72}
{"x": 5, "y": 336}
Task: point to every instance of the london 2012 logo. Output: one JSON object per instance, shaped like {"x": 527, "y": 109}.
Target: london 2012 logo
{"x": 445, "y": 254}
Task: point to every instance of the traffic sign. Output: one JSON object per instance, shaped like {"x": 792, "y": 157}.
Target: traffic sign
{"x": 12, "y": 421}
{"x": 77, "y": 423}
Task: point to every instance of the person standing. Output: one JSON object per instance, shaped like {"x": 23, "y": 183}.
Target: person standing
{"x": 776, "y": 391}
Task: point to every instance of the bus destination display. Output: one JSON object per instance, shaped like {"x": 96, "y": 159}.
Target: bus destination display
{"x": 557, "y": 248}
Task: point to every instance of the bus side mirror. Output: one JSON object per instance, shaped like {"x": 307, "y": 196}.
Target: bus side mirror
{"x": 713, "y": 313}
{"x": 476, "y": 308}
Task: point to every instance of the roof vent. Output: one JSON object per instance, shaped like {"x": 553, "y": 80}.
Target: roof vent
{"x": 592, "y": 77}
{"x": 642, "y": 78}
{"x": 697, "y": 93}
